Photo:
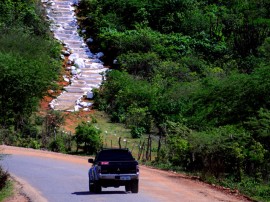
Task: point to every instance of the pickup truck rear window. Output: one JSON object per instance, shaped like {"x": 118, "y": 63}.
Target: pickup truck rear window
{"x": 114, "y": 155}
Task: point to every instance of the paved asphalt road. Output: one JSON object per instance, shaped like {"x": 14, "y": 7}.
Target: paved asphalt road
{"x": 61, "y": 181}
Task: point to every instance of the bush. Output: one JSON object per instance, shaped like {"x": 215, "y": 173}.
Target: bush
{"x": 93, "y": 119}
{"x": 39, "y": 120}
{"x": 3, "y": 178}
{"x": 220, "y": 150}
{"x": 259, "y": 191}
{"x": 137, "y": 132}
{"x": 58, "y": 145}
{"x": 138, "y": 117}
{"x": 8, "y": 137}
{"x": 88, "y": 134}
{"x": 141, "y": 64}
{"x": 34, "y": 144}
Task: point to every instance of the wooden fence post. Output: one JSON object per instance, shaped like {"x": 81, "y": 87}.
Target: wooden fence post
{"x": 150, "y": 148}
{"x": 119, "y": 142}
{"x": 141, "y": 151}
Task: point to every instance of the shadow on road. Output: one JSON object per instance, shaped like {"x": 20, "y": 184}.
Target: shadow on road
{"x": 79, "y": 193}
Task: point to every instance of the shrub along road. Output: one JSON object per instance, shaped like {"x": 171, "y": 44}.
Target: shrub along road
{"x": 60, "y": 177}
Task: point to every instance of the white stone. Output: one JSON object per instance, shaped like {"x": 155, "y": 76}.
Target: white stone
{"x": 74, "y": 72}
{"x": 69, "y": 62}
{"x": 83, "y": 45}
{"x": 65, "y": 52}
{"x": 66, "y": 79}
{"x": 115, "y": 62}
{"x": 96, "y": 60}
{"x": 89, "y": 40}
{"x": 85, "y": 104}
{"x": 99, "y": 55}
{"x": 79, "y": 62}
{"x": 79, "y": 71}
{"x": 89, "y": 95}
{"x": 51, "y": 3}
{"x": 76, "y": 108}
{"x": 73, "y": 56}
{"x": 96, "y": 66}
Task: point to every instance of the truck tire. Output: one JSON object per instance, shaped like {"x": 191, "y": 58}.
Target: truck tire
{"x": 128, "y": 187}
{"x": 135, "y": 186}
{"x": 97, "y": 187}
{"x": 91, "y": 187}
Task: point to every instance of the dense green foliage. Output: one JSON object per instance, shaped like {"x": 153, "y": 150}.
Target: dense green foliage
{"x": 194, "y": 72}
{"x": 7, "y": 191}
{"x": 89, "y": 135}
{"x": 3, "y": 178}
{"x": 28, "y": 61}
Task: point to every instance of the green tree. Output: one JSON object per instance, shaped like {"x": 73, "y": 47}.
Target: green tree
{"x": 260, "y": 127}
{"x": 88, "y": 134}
{"x": 219, "y": 150}
{"x": 139, "y": 120}
{"x": 178, "y": 145}
{"x": 264, "y": 50}
{"x": 23, "y": 83}
{"x": 21, "y": 14}
{"x": 139, "y": 64}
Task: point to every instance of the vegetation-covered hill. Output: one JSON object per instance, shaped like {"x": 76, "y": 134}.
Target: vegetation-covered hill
{"x": 29, "y": 63}
{"x": 194, "y": 72}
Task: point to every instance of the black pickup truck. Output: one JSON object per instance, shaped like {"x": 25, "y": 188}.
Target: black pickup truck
{"x": 114, "y": 168}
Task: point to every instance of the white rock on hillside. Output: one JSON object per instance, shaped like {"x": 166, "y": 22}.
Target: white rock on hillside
{"x": 84, "y": 65}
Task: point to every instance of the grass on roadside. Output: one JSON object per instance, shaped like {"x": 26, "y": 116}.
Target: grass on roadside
{"x": 257, "y": 190}
{"x": 7, "y": 191}
{"x": 111, "y": 132}
{"x": 254, "y": 189}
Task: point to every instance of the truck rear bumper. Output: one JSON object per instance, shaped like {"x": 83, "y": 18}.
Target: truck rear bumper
{"x": 115, "y": 182}
{"x": 120, "y": 177}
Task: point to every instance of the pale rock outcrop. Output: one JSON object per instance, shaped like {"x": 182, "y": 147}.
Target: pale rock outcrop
{"x": 86, "y": 68}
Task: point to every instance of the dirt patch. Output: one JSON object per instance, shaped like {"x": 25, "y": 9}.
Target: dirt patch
{"x": 72, "y": 119}
{"x": 187, "y": 188}
{"x": 18, "y": 193}
{"x": 23, "y": 192}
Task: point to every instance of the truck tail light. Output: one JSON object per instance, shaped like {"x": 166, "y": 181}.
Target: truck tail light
{"x": 104, "y": 163}
{"x": 137, "y": 168}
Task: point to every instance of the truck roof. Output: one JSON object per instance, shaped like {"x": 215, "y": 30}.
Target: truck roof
{"x": 114, "y": 155}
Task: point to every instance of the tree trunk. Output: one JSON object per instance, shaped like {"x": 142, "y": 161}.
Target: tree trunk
{"x": 159, "y": 147}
